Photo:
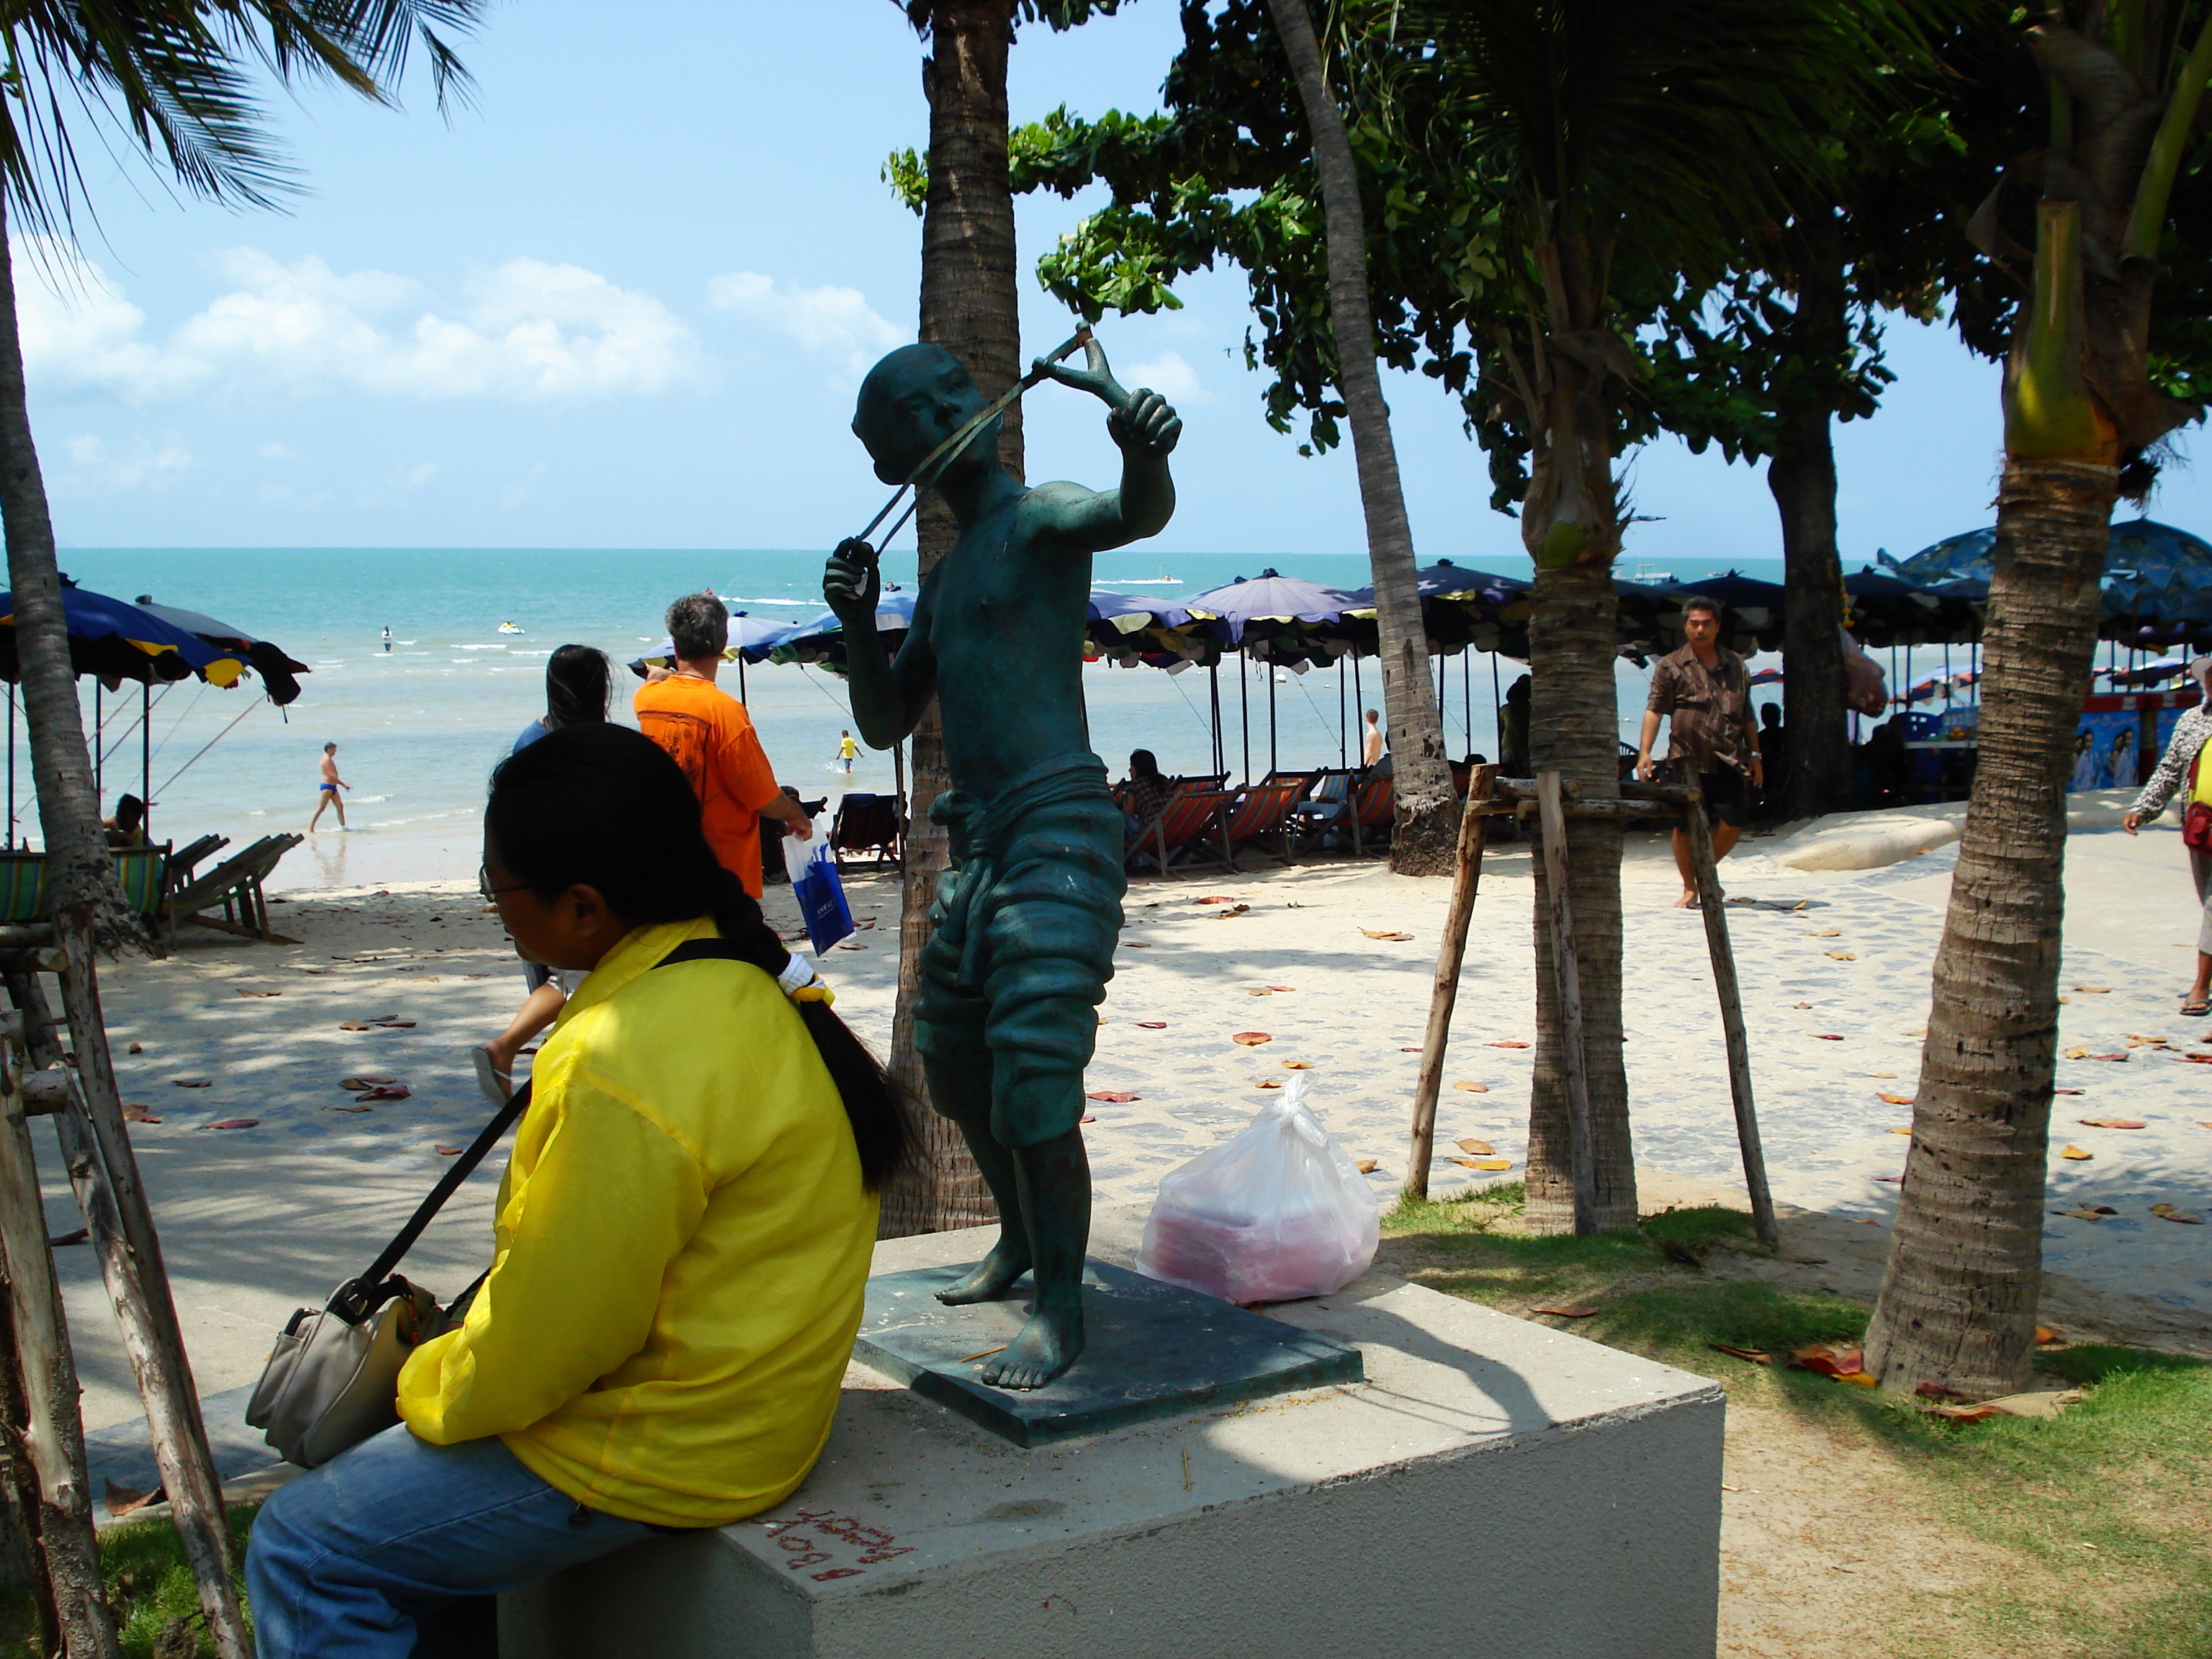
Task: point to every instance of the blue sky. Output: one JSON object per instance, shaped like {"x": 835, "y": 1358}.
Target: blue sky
{"x": 625, "y": 303}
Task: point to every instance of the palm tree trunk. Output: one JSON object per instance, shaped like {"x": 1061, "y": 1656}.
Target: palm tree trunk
{"x": 78, "y": 868}
{"x": 971, "y": 305}
{"x": 1427, "y": 830}
{"x": 1958, "y": 1301}
{"x": 1802, "y": 477}
{"x": 1573, "y": 728}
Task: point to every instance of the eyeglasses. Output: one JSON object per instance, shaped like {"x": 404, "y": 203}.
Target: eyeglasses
{"x": 490, "y": 893}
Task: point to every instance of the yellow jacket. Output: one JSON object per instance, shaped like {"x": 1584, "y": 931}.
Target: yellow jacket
{"x": 679, "y": 1255}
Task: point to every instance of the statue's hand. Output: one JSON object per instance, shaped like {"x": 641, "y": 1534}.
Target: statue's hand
{"x": 1145, "y": 425}
{"x": 851, "y": 581}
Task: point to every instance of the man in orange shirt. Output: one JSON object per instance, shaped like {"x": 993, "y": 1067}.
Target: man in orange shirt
{"x": 709, "y": 734}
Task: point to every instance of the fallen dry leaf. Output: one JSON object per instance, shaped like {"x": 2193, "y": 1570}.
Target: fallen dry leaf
{"x": 1825, "y": 932}
{"x": 1483, "y": 1163}
{"x": 193, "y": 1082}
{"x": 1900, "y": 1131}
{"x": 353, "y": 1025}
{"x": 1259, "y": 991}
{"x": 2167, "y": 1212}
{"x": 1136, "y": 945}
{"x": 1238, "y": 910}
{"x": 1151, "y": 1025}
{"x": 1385, "y": 932}
{"x": 261, "y": 993}
{"x": 1843, "y": 956}
{"x": 2114, "y": 1123}
{"x": 1282, "y": 988}
{"x": 1086, "y": 1118}
{"x": 1894, "y": 1181}
{"x": 1251, "y": 1039}
{"x": 2082, "y": 1215}
{"x": 122, "y": 1500}
{"x": 2076, "y": 1154}
{"x": 1757, "y": 1356}
{"x": 1507, "y": 1043}
{"x": 1471, "y": 1088}
{"x": 1800, "y": 1005}
{"x": 354, "y": 1084}
{"x": 1113, "y": 1097}
{"x": 388, "y": 1091}
{"x": 1216, "y": 898}
{"x": 136, "y": 1114}
{"x": 1477, "y": 1148}
{"x": 1268, "y": 1083}
{"x": 2077, "y": 1052}
{"x": 444, "y": 1151}
{"x": 1884, "y": 1074}
{"x": 1967, "y": 1413}
{"x": 1569, "y": 1310}
{"x": 1297, "y": 1066}
{"x": 1845, "y": 1364}
{"x": 2046, "y": 1334}
{"x": 1894, "y": 1100}
{"x": 1366, "y": 1165}
{"x": 137, "y": 1048}
{"x": 1828, "y": 1036}
{"x": 2094, "y": 990}
{"x": 2066, "y": 1091}
{"x": 232, "y": 1123}
{"x": 353, "y": 1109}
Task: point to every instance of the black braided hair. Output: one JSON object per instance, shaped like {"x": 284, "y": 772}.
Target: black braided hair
{"x": 604, "y": 806}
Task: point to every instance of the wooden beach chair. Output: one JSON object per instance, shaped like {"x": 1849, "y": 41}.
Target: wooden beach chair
{"x": 236, "y": 884}
{"x": 1181, "y": 830}
{"x": 1263, "y": 812}
{"x": 1374, "y": 804}
{"x": 140, "y": 870}
{"x": 867, "y": 824}
{"x": 1324, "y": 807}
{"x": 187, "y": 859}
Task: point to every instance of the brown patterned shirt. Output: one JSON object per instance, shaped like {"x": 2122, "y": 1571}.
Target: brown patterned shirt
{"x": 1709, "y": 707}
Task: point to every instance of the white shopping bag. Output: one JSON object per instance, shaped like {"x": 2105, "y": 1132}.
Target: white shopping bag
{"x": 815, "y": 884}
{"x": 1281, "y": 1211}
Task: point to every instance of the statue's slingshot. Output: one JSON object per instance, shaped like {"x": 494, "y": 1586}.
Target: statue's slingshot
{"x": 945, "y": 454}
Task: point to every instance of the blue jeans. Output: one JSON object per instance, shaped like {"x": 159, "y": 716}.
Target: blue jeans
{"x": 343, "y": 1559}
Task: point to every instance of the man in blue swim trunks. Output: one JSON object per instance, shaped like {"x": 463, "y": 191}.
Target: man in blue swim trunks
{"x": 328, "y": 795}
{"x": 1025, "y": 923}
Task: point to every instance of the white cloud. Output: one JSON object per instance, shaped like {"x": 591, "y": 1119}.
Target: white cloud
{"x": 836, "y": 322}
{"x": 525, "y": 332}
{"x": 1169, "y": 375}
{"x": 143, "y": 464}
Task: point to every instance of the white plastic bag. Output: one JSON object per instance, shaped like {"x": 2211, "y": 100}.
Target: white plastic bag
{"x": 1281, "y": 1212}
{"x": 815, "y": 883}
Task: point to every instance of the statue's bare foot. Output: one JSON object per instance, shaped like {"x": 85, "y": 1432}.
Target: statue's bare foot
{"x": 991, "y": 1277}
{"x": 1047, "y": 1345}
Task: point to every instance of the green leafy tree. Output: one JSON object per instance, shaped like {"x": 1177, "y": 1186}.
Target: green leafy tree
{"x": 1544, "y": 179}
{"x": 170, "y": 82}
{"x": 2103, "y": 230}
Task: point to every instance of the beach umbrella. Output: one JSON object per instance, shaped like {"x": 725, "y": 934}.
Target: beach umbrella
{"x": 1268, "y": 597}
{"x": 2157, "y": 582}
{"x": 820, "y": 640}
{"x": 278, "y": 671}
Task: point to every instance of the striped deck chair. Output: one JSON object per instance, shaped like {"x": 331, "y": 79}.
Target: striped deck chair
{"x": 1181, "y": 828}
{"x": 1374, "y": 804}
{"x": 1262, "y": 812}
{"x": 23, "y": 881}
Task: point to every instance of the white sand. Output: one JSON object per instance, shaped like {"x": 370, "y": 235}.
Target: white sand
{"x": 256, "y": 1221}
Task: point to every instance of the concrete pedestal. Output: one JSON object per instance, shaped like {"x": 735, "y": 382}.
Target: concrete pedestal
{"x": 1493, "y": 1487}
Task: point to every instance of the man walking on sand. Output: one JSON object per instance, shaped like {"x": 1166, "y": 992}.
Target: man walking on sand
{"x": 708, "y": 732}
{"x": 327, "y": 793}
{"x": 1706, "y": 691}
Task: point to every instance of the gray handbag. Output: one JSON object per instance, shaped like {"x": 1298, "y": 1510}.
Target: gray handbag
{"x": 332, "y": 1379}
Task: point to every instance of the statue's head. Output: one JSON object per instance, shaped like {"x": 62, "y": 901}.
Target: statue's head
{"x": 912, "y": 401}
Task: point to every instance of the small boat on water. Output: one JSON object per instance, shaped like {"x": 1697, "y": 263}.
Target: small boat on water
{"x": 509, "y": 627}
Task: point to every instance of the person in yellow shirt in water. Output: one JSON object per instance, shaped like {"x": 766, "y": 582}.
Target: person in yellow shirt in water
{"x": 680, "y": 1248}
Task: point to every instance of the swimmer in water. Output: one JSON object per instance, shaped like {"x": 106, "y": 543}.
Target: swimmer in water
{"x": 388, "y": 639}
{"x": 326, "y": 793}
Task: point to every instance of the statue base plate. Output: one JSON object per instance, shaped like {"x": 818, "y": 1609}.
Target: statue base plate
{"x": 1153, "y": 1351}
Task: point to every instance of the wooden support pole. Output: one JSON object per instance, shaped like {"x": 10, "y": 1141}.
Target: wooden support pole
{"x": 1443, "y": 993}
{"x": 1549, "y": 806}
{"x": 1703, "y": 867}
{"x": 96, "y": 1148}
{"x": 55, "y": 1431}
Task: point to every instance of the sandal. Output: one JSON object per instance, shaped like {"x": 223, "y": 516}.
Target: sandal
{"x": 496, "y": 1084}
{"x": 2196, "y": 1010}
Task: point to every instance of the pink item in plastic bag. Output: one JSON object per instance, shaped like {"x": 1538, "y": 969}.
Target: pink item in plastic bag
{"x": 1279, "y": 1212}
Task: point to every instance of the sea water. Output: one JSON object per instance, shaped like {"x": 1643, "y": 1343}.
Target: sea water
{"x": 421, "y": 722}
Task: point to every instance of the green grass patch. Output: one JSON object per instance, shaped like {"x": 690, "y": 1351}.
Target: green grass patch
{"x": 149, "y": 1587}
{"x": 2112, "y": 1497}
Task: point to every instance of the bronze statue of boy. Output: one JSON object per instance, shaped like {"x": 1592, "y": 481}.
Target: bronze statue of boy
{"x": 1025, "y": 922}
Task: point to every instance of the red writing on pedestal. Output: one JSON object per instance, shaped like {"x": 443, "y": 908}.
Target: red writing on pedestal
{"x": 805, "y": 1533}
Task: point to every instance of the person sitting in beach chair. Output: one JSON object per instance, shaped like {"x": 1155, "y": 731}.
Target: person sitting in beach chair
{"x": 128, "y": 827}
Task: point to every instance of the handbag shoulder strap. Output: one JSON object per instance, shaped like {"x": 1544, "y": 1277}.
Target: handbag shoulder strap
{"x": 351, "y": 1299}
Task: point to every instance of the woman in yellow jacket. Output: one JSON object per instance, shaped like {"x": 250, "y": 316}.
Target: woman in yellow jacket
{"x": 681, "y": 1245}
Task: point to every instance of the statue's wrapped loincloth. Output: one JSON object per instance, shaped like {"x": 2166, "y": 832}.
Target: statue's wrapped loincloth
{"x": 1021, "y": 941}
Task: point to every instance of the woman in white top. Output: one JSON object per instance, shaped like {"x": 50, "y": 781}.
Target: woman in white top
{"x": 2174, "y": 774}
